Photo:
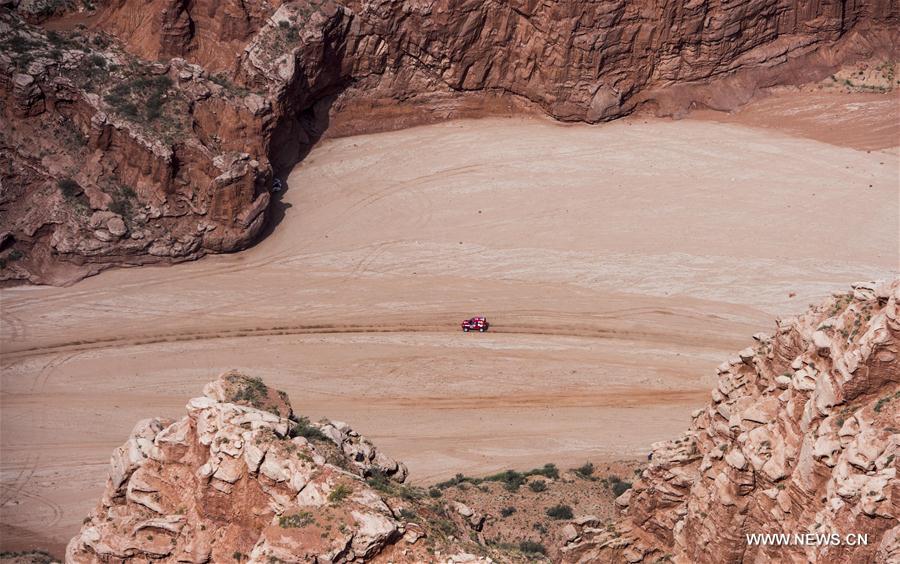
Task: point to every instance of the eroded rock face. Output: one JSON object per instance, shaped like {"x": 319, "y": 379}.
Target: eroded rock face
{"x": 236, "y": 476}
{"x": 184, "y": 147}
{"x": 90, "y": 131}
{"x": 802, "y": 436}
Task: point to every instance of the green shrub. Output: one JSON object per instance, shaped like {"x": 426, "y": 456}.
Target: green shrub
{"x": 98, "y": 61}
{"x": 303, "y": 428}
{"x": 585, "y": 471}
{"x": 538, "y": 486}
{"x": 251, "y": 390}
{"x": 619, "y": 488}
{"x": 295, "y": 521}
{"x": 507, "y": 511}
{"x": 548, "y": 471}
{"x": 532, "y": 547}
{"x": 15, "y": 255}
{"x": 339, "y": 493}
{"x": 879, "y": 405}
{"x": 559, "y": 512}
{"x": 511, "y": 479}
{"x": 379, "y": 481}
{"x": 435, "y": 493}
{"x": 55, "y": 39}
{"x": 69, "y": 188}
{"x": 145, "y": 92}
{"x": 618, "y": 485}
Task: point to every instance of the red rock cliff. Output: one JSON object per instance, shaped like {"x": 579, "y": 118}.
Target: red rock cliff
{"x": 802, "y": 436}
{"x": 250, "y": 86}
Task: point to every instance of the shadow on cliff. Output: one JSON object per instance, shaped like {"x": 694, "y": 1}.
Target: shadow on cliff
{"x": 292, "y": 141}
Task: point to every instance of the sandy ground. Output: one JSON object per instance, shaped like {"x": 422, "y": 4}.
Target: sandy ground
{"x": 619, "y": 264}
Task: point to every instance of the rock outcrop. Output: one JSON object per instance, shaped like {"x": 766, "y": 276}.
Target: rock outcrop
{"x": 175, "y": 114}
{"x": 242, "y": 478}
{"x": 108, "y": 159}
{"x": 802, "y": 436}
{"x": 237, "y": 476}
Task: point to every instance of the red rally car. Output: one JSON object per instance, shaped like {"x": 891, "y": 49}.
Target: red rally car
{"x": 475, "y": 324}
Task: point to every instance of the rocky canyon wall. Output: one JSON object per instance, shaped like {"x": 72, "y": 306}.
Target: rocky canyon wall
{"x": 802, "y": 436}
{"x": 191, "y": 106}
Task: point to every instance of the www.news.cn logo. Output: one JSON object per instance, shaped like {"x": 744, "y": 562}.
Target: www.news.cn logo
{"x": 807, "y": 539}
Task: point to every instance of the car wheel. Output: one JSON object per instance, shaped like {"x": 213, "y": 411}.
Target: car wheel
{"x": 466, "y": 329}
{"x": 481, "y": 330}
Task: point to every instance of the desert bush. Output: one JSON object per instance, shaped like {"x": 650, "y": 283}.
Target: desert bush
{"x": 30, "y": 556}
{"x": 548, "y": 471}
{"x": 532, "y": 547}
{"x": 122, "y": 204}
{"x": 97, "y": 60}
{"x": 378, "y": 480}
{"x": 69, "y": 188}
{"x": 339, "y": 493}
{"x": 303, "y": 428}
{"x": 585, "y": 471}
{"x": 148, "y": 92}
{"x": 538, "y": 486}
{"x": 296, "y": 520}
{"x": 252, "y": 390}
{"x": 507, "y": 511}
{"x": 618, "y": 485}
{"x": 559, "y": 512}
{"x": 511, "y": 479}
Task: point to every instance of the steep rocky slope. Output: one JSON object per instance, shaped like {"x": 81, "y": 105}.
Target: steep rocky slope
{"x": 802, "y": 436}
{"x": 109, "y": 159}
{"x": 241, "y": 477}
{"x": 148, "y": 132}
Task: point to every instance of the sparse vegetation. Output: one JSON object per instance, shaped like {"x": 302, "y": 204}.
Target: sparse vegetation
{"x": 303, "y": 428}
{"x": 532, "y": 547}
{"x": 618, "y": 485}
{"x": 384, "y": 484}
{"x": 147, "y": 92}
{"x": 69, "y": 188}
{"x": 339, "y": 493}
{"x": 122, "y": 204}
{"x": 879, "y": 405}
{"x": 251, "y": 390}
{"x": 537, "y": 486}
{"x": 585, "y": 471}
{"x": 559, "y": 512}
{"x": 33, "y": 556}
{"x": 296, "y": 520}
{"x": 510, "y": 479}
{"x": 507, "y": 511}
{"x": 229, "y": 86}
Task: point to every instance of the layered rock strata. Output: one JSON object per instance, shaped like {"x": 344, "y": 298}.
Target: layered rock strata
{"x": 801, "y": 437}
{"x": 175, "y": 115}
